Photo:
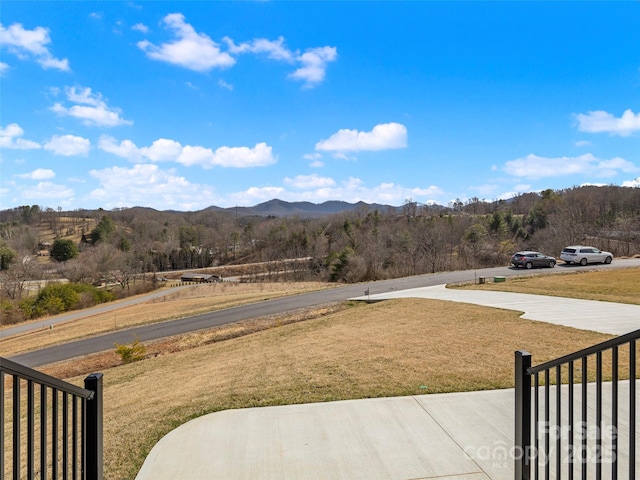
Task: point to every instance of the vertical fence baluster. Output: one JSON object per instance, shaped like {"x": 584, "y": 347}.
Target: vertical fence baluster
{"x": 583, "y": 427}
{"x": 43, "y": 431}
{"x": 632, "y": 410}
{"x": 614, "y": 413}
{"x": 547, "y": 447}
{"x": 54, "y": 433}
{"x": 16, "y": 428}
{"x": 65, "y": 436}
{"x": 83, "y": 429}
{"x": 30, "y": 430}
{"x": 2, "y": 440}
{"x": 536, "y": 420}
{"x": 558, "y": 425}
{"x": 570, "y": 421}
{"x": 599, "y": 416}
{"x": 74, "y": 439}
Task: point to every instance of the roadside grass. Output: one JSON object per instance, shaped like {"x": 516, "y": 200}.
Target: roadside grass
{"x": 617, "y": 285}
{"x": 190, "y": 301}
{"x": 344, "y": 351}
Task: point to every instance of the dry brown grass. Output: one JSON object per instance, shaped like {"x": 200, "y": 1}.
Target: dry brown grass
{"x": 619, "y": 285}
{"x": 192, "y": 301}
{"x": 344, "y": 351}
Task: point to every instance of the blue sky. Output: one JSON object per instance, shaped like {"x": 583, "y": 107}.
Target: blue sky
{"x": 184, "y": 105}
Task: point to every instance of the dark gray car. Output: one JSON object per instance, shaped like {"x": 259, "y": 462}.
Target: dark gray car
{"x": 530, "y": 259}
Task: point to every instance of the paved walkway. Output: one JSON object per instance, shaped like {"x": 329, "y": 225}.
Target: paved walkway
{"x": 466, "y": 436}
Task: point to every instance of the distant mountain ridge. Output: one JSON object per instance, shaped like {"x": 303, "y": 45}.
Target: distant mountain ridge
{"x": 274, "y": 208}
{"x": 281, "y": 208}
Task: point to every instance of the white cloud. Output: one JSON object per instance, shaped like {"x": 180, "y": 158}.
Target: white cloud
{"x": 236, "y": 157}
{"x": 384, "y": 136}
{"x": 90, "y": 108}
{"x": 148, "y": 185}
{"x": 47, "y": 190}
{"x": 166, "y": 150}
{"x": 309, "y": 181}
{"x": 314, "y": 65}
{"x": 9, "y": 138}
{"x": 162, "y": 150}
{"x": 313, "y": 61}
{"x": 68, "y": 145}
{"x": 27, "y": 44}
{"x": 632, "y": 183}
{"x": 140, "y": 27}
{"x": 223, "y": 84}
{"x": 600, "y": 121}
{"x": 3, "y": 68}
{"x": 127, "y": 149}
{"x": 197, "y": 51}
{"x": 191, "y": 50}
{"x": 583, "y": 143}
{"x": 535, "y": 167}
{"x": 38, "y": 174}
{"x": 274, "y": 49}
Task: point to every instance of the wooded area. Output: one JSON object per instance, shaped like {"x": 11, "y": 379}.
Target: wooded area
{"x": 134, "y": 245}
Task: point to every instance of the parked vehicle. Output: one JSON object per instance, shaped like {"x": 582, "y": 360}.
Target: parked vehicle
{"x": 582, "y": 254}
{"x": 530, "y": 259}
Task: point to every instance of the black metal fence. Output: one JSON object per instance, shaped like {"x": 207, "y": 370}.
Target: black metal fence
{"x": 575, "y": 417}
{"x": 50, "y": 428}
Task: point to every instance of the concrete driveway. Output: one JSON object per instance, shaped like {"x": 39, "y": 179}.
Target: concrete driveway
{"x": 461, "y": 436}
{"x": 604, "y": 317}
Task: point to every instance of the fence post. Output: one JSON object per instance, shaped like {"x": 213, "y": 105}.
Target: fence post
{"x": 94, "y": 432}
{"x": 522, "y": 445}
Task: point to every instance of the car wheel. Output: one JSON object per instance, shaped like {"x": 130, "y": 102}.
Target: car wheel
{"x": 529, "y": 265}
{"x": 552, "y": 264}
{"x": 608, "y": 260}
{"x": 583, "y": 262}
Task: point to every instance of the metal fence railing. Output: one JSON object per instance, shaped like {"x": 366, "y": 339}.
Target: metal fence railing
{"x": 576, "y": 416}
{"x": 50, "y": 428}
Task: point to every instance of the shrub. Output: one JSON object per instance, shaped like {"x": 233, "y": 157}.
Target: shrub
{"x": 131, "y": 353}
{"x": 63, "y": 297}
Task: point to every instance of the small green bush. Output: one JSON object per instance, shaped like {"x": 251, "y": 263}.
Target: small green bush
{"x": 131, "y": 353}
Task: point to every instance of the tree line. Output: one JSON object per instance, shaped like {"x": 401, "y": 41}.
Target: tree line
{"x": 126, "y": 245}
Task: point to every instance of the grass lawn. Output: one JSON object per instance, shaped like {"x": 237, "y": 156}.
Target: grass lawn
{"x": 336, "y": 352}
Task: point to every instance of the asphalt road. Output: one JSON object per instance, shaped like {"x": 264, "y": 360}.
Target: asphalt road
{"x": 221, "y": 317}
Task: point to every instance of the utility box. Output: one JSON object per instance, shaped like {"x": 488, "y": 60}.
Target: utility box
{"x": 499, "y": 279}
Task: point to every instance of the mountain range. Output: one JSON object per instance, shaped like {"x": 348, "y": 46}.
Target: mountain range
{"x": 281, "y": 208}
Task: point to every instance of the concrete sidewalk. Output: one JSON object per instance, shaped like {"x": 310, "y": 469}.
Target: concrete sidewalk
{"x": 466, "y": 436}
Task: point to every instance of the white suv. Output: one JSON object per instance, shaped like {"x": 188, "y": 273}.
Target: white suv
{"x": 583, "y": 255}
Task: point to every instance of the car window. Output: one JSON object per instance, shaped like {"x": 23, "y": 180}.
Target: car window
{"x": 569, "y": 250}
